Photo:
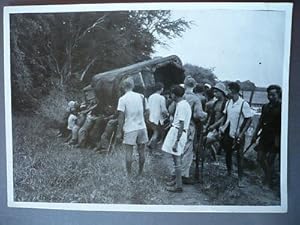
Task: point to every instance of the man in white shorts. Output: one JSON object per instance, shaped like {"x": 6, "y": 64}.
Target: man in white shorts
{"x": 176, "y": 138}
{"x": 131, "y": 124}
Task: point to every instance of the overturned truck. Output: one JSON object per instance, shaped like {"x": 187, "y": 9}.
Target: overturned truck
{"x": 105, "y": 87}
{"x": 105, "y": 90}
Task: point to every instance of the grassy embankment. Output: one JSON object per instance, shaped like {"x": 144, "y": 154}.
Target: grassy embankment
{"x": 47, "y": 169}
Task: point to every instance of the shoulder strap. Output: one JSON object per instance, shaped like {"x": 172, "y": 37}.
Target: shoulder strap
{"x": 226, "y": 105}
{"x": 144, "y": 103}
{"x": 215, "y": 103}
{"x": 240, "y": 114}
{"x": 223, "y": 105}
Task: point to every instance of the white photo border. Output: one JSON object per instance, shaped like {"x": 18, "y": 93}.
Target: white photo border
{"x": 285, "y": 7}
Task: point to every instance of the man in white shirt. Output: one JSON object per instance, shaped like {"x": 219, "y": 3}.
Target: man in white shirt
{"x": 157, "y": 113}
{"x": 239, "y": 116}
{"x": 176, "y": 138}
{"x": 131, "y": 124}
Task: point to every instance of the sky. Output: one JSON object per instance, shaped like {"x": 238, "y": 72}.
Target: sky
{"x": 239, "y": 45}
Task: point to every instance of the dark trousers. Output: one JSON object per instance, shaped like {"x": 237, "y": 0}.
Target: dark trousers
{"x": 267, "y": 162}
{"x": 228, "y": 146}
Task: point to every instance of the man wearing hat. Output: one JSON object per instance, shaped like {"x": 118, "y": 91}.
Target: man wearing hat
{"x": 213, "y": 121}
{"x": 238, "y": 119}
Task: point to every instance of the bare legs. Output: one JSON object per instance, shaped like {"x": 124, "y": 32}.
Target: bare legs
{"x": 129, "y": 157}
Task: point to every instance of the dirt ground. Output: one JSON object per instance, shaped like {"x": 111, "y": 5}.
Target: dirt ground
{"x": 215, "y": 187}
{"x": 46, "y": 169}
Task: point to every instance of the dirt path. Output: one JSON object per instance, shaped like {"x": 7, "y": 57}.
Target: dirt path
{"x": 216, "y": 188}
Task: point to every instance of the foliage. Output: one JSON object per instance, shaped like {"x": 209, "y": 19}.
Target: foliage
{"x": 200, "y": 74}
{"x": 63, "y": 50}
{"x": 245, "y": 85}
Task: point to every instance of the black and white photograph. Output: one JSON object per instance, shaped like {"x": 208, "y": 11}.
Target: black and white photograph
{"x": 153, "y": 107}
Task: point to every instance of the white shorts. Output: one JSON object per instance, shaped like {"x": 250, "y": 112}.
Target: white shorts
{"x": 135, "y": 137}
{"x": 171, "y": 139}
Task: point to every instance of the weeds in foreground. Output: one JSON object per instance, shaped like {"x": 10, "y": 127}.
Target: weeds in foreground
{"x": 45, "y": 169}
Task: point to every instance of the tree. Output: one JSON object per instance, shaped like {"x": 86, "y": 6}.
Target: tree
{"x": 200, "y": 74}
{"x": 244, "y": 85}
{"x": 59, "y": 50}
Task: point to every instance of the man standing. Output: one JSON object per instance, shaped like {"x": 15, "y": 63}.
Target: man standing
{"x": 177, "y": 136}
{"x": 157, "y": 113}
{"x": 238, "y": 119}
{"x": 199, "y": 91}
{"x": 270, "y": 126}
{"x": 217, "y": 112}
{"x": 198, "y": 115}
{"x": 131, "y": 108}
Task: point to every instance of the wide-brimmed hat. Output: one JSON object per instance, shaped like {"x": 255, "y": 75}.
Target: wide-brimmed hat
{"x": 221, "y": 87}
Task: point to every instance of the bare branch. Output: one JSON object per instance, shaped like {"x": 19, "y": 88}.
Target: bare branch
{"x": 96, "y": 23}
{"x": 86, "y": 69}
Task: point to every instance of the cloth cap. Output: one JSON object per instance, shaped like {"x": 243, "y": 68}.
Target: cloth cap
{"x": 71, "y": 104}
{"x": 189, "y": 81}
{"x": 221, "y": 87}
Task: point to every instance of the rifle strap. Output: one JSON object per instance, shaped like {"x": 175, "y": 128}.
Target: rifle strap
{"x": 144, "y": 103}
{"x": 239, "y": 119}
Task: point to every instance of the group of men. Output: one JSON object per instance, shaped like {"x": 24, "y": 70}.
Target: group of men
{"x": 196, "y": 121}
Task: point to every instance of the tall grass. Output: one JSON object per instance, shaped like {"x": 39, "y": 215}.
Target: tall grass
{"x": 46, "y": 169}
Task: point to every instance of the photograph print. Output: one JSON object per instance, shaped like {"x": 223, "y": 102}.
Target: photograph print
{"x": 147, "y": 107}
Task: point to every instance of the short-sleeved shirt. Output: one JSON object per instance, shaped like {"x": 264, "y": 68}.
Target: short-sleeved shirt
{"x": 233, "y": 110}
{"x": 183, "y": 113}
{"x": 157, "y": 106}
{"x": 132, "y": 104}
{"x": 71, "y": 121}
{"x": 196, "y": 105}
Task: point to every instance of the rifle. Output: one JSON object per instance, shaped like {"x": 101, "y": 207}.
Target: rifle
{"x": 112, "y": 143}
{"x": 199, "y": 151}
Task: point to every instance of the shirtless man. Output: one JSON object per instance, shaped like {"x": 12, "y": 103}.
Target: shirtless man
{"x": 212, "y": 126}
